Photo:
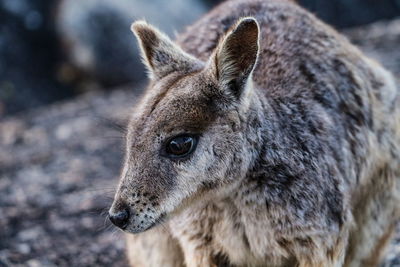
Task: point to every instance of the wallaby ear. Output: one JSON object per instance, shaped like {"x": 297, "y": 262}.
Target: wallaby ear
{"x": 236, "y": 55}
{"x": 159, "y": 53}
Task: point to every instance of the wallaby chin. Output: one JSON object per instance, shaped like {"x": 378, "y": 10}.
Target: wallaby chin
{"x": 257, "y": 143}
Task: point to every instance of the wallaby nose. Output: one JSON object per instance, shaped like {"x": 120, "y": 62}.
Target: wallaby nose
{"x": 120, "y": 218}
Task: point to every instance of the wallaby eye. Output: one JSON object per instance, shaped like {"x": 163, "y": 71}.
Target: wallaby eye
{"x": 181, "y": 146}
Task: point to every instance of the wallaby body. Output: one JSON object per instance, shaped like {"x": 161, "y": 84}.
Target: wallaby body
{"x": 292, "y": 140}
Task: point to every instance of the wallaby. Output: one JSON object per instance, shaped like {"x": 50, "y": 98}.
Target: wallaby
{"x": 263, "y": 139}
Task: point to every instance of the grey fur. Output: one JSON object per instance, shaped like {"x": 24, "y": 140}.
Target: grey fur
{"x": 297, "y": 164}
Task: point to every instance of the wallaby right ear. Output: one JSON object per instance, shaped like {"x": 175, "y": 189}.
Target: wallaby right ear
{"x": 236, "y": 55}
{"x": 159, "y": 53}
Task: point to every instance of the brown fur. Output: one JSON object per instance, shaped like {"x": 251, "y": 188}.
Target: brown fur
{"x": 298, "y": 157}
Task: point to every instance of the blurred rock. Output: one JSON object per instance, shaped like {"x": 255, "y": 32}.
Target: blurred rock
{"x": 59, "y": 166}
{"x": 350, "y": 13}
{"x": 29, "y": 56}
{"x": 97, "y": 37}
{"x": 380, "y": 40}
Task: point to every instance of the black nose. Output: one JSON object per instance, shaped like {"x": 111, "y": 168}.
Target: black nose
{"x": 120, "y": 218}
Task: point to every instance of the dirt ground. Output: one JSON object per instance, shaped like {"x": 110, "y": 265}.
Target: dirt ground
{"x": 59, "y": 166}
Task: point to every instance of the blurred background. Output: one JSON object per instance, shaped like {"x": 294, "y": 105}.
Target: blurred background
{"x": 69, "y": 74}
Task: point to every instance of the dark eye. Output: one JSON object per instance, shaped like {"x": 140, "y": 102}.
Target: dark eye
{"x": 181, "y": 146}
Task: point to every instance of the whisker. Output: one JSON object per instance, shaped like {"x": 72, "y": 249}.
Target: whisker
{"x": 119, "y": 126}
{"x": 114, "y": 137}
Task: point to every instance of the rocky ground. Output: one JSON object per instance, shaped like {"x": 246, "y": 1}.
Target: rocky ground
{"x": 59, "y": 165}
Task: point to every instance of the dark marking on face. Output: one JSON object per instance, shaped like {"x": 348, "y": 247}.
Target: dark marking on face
{"x": 221, "y": 260}
{"x": 246, "y": 241}
{"x": 152, "y": 198}
{"x": 304, "y": 242}
{"x": 284, "y": 243}
{"x": 208, "y": 185}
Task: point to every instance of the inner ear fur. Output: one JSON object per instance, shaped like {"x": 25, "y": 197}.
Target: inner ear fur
{"x": 236, "y": 55}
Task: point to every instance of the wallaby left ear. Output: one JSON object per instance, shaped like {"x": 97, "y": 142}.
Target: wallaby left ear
{"x": 161, "y": 55}
{"x": 236, "y": 55}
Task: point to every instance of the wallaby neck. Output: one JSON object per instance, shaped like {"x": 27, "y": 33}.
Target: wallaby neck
{"x": 258, "y": 124}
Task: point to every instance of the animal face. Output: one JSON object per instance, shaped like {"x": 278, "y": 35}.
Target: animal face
{"x": 186, "y": 136}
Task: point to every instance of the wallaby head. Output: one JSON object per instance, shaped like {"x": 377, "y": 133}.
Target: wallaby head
{"x": 187, "y": 136}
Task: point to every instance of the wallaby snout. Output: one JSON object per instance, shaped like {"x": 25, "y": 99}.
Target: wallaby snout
{"x": 135, "y": 211}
